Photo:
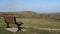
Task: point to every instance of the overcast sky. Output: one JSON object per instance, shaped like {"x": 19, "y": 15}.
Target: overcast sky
{"x": 40, "y": 6}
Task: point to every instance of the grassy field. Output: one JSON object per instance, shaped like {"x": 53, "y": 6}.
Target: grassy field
{"x": 44, "y": 23}
{"x": 38, "y": 23}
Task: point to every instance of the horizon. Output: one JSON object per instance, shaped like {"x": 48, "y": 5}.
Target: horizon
{"x": 39, "y": 6}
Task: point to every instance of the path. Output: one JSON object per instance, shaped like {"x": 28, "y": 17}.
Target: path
{"x": 49, "y": 29}
{"x": 43, "y": 28}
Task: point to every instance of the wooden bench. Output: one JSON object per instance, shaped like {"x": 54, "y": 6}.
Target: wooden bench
{"x": 11, "y": 19}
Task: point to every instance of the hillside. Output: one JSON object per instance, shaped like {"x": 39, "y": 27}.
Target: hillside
{"x": 30, "y": 14}
{"x": 20, "y": 14}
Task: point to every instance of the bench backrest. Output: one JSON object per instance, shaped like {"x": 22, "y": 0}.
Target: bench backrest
{"x": 10, "y": 19}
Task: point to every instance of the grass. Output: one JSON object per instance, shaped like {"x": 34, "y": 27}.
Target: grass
{"x": 44, "y": 23}
{"x": 30, "y": 31}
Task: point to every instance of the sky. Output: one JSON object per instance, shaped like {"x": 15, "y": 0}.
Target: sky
{"x": 40, "y": 6}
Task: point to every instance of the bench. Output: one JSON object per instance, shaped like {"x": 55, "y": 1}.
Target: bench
{"x": 12, "y": 20}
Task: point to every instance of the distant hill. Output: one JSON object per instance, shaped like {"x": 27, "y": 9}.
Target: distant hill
{"x": 30, "y": 14}
{"x": 55, "y": 13}
{"x": 20, "y": 14}
{"x": 27, "y": 13}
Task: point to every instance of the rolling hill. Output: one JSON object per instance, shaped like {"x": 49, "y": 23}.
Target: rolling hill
{"x": 20, "y": 14}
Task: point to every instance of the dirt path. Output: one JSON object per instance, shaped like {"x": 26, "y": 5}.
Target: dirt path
{"x": 49, "y": 29}
{"x": 43, "y": 28}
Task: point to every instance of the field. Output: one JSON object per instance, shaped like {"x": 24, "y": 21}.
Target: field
{"x": 30, "y": 23}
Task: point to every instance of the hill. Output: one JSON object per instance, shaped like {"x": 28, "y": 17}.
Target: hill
{"x": 30, "y": 14}
{"x": 20, "y": 14}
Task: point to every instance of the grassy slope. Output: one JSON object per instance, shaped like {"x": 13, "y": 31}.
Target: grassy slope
{"x": 33, "y": 23}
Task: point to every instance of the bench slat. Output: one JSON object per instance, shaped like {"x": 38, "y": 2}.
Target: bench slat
{"x": 9, "y": 20}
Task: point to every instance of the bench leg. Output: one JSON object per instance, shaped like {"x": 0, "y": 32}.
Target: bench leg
{"x": 19, "y": 26}
{"x": 8, "y": 25}
{"x": 19, "y": 29}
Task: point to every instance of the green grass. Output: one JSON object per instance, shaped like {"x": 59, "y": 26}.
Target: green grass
{"x": 44, "y": 23}
{"x": 30, "y": 31}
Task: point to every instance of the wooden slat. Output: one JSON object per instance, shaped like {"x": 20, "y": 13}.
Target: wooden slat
{"x": 9, "y": 19}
